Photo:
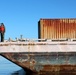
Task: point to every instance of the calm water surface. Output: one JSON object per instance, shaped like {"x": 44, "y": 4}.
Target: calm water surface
{"x": 9, "y": 68}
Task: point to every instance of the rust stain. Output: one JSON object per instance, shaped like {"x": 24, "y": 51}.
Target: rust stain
{"x": 58, "y": 70}
{"x": 57, "y": 28}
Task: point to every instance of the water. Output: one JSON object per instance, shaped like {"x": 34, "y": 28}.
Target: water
{"x": 9, "y": 68}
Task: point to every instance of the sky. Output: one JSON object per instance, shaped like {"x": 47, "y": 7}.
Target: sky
{"x": 21, "y": 17}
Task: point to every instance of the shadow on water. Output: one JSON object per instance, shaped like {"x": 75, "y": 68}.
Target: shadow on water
{"x": 22, "y": 72}
{"x": 19, "y": 72}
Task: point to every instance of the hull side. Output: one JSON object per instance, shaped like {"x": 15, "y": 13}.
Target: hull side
{"x": 45, "y": 62}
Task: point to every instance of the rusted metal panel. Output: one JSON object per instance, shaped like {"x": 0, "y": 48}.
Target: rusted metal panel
{"x": 57, "y": 28}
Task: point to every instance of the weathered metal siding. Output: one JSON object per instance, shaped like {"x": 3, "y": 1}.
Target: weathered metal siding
{"x": 57, "y": 28}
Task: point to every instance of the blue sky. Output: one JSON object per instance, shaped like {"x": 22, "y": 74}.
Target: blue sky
{"x": 21, "y": 16}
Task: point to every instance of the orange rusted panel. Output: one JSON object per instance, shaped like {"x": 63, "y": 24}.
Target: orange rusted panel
{"x": 57, "y": 28}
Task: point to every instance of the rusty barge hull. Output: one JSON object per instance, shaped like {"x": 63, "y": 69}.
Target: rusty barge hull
{"x": 49, "y": 57}
{"x": 42, "y": 63}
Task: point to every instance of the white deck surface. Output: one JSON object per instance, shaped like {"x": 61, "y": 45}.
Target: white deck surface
{"x": 66, "y": 46}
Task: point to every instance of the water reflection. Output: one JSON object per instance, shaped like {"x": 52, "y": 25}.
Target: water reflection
{"x": 9, "y": 68}
{"x": 20, "y": 72}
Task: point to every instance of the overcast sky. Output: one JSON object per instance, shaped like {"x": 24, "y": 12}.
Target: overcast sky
{"x": 21, "y": 17}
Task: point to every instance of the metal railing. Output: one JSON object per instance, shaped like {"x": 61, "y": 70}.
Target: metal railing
{"x": 40, "y": 40}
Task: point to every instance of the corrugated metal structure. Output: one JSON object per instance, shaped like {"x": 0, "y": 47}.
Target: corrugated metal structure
{"x": 57, "y": 28}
